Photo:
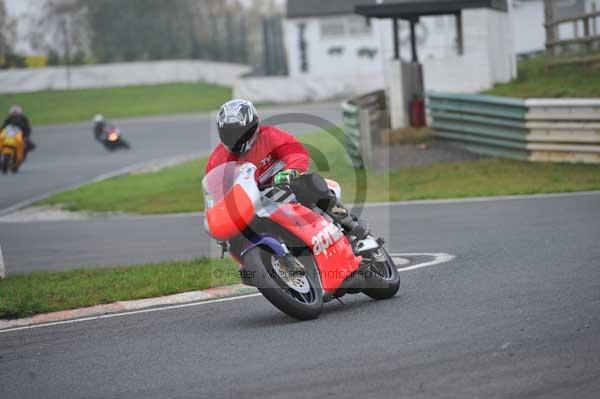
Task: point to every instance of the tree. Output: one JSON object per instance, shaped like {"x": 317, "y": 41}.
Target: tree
{"x": 131, "y": 30}
{"x": 62, "y": 26}
{"x": 7, "y": 34}
{"x": 139, "y": 29}
{"x": 53, "y": 58}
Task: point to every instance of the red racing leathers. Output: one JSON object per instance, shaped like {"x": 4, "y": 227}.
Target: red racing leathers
{"x": 274, "y": 150}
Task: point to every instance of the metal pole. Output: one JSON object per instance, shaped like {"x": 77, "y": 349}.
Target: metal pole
{"x": 586, "y": 33}
{"x": 267, "y": 46}
{"x": 550, "y": 28}
{"x": 459, "y": 34}
{"x": 413, "y": 41}
{"x": 396, "y": 40}
{"x": 67, "y": 51}
{"x": 594, "y": 30}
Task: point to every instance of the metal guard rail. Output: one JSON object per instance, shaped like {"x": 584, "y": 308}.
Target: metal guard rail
{"x": 561, "y": 130}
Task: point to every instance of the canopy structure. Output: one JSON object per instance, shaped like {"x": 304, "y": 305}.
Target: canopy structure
{"x": 412, "y": 10}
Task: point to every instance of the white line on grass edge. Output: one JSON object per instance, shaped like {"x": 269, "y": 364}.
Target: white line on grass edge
{"x": 2, "y": 265}
{"x": 439, "y": 259}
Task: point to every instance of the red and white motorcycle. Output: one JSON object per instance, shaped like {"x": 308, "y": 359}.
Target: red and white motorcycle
{"x": 297, "y": 257}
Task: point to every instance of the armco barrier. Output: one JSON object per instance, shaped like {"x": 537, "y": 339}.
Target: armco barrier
{"x": 561, "y": 130}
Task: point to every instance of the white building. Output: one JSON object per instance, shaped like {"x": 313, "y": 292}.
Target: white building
{"x": 333, "y": 52}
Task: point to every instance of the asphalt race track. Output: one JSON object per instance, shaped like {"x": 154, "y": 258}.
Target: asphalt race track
{"x": 515, "y": 315}
{"x": 68, "y": 155}
{"x": 451, "y": 228}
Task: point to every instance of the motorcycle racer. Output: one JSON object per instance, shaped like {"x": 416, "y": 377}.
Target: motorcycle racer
{"x": 17, "y": 117}
{"x": 280, "y": 159}
{"x": 100, "y": 127}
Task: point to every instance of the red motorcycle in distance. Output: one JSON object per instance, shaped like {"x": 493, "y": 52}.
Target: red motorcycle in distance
{"x": 297, "y": 257}
{"x": 113, "y": 140}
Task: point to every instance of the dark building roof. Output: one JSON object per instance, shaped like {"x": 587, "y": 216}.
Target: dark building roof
{"x": 312, "y": 8}
{"x": 414, "y": 8}
{"x": 317, "y": 8}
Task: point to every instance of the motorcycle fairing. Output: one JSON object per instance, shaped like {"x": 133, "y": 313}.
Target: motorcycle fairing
{"x": 231, "y": 214}
{"x": 12, "y": 142}
{"x": 332, "y": 252}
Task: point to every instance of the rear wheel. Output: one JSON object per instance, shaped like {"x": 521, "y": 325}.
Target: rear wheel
{"x": 298, "y": 295}
{"x": 382, "y": 277}
{"x": 5, "y": 160}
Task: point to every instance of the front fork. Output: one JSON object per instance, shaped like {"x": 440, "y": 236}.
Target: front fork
{"x": 225, "y": 246}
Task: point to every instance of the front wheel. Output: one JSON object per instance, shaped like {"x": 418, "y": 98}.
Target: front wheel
{"x": 382, "y": 276}
{"x": 298, "y": 295}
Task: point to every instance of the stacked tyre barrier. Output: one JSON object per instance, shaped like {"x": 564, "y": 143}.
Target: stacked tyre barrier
{"x": 364, "y": 117}
{"x": 540, "y": 130}
{"x": 352, "y": 133}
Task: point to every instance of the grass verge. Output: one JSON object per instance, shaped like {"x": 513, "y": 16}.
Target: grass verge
{"x": 62, "y": 106}
{"x": 178, "y": 189}
{"x": 534, "y": 81}
{"x": 27, "y": 295}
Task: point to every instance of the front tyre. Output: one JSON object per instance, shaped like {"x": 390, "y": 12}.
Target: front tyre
{"x": 299, "y": 296}
{"x": 382, "y": 277}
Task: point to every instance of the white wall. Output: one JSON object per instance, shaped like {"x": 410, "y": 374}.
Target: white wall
{"x": 120, "y": 74}
{"x": 488, "y": 57}
{"x": 321, "y": 63}
{"x": 528, "y": 26}
{"x": 299, "y": 89}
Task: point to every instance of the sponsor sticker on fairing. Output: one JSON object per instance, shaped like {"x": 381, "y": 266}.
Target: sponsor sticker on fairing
{"x": 326, "y": 238}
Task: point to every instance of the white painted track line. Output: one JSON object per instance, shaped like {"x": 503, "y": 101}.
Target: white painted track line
{"x": 134, "y": 312}
{"x": 2, "y": 265}
{"x": 482, "y": 199}
{"x": 439, "y": 259}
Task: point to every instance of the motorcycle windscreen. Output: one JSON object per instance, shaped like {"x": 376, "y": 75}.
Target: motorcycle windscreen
{"x": 12, "y": 131}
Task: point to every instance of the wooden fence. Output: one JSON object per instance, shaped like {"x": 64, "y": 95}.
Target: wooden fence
{"x": 582, "y": 48}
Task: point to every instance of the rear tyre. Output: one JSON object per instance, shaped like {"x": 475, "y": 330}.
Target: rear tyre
{"x": 5, "y": 160}
{"x": 125, "y": 145}
{"x": 299, "y": 297}
{"x": 382, "y": 277}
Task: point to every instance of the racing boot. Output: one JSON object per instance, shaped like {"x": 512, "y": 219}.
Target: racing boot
{"x": 351, "y": 224}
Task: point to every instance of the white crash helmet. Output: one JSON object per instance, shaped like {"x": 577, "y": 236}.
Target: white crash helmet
{"x": 16, "y": 110}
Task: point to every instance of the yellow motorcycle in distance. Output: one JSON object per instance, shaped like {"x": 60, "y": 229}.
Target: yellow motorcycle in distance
{"x": 12, "y": 149}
